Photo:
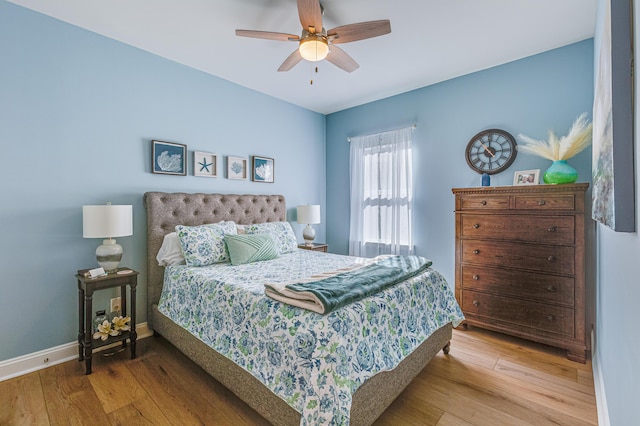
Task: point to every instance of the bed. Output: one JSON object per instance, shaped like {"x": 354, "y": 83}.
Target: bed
{"x": 164, "y": 212}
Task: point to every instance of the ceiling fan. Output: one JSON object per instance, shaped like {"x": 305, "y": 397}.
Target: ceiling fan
{"x": 316, "y": 43}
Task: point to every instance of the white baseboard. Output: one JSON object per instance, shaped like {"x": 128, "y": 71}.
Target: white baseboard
{"x": 598, "y": 383}
{"x": 48, "y": 357}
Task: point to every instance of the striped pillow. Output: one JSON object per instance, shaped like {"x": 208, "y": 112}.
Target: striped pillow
{"x": 250, "y": 248}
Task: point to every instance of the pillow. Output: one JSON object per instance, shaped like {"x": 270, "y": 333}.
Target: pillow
{"x": 170, "y": 252}
{"x": 204, "y": 245}
{"x": 250, "y": 248}
{"x": 281, "y": 233}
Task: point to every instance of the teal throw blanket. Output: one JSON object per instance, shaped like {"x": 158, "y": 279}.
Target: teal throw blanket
{"x": 343, "y": 288}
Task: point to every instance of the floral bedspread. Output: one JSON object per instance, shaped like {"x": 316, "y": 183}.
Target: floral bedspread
{"x": 314, "y": 362}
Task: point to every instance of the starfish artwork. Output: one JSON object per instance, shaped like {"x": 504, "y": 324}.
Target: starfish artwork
{"x": 205, "y": 165}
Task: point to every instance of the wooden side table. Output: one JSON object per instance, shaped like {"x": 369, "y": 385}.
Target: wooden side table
{"x": 314, "y": 247}
{"x": 122, "y": 278}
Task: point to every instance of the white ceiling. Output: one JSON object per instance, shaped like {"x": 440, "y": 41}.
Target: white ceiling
{"x": 430, "y": 40}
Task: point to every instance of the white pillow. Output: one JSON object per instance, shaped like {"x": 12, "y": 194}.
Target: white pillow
{"x": 281, "y": 233}
{"x": 170, "y": 252}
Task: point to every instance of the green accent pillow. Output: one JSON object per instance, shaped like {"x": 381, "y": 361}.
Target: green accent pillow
{"x": 250, "y": 248}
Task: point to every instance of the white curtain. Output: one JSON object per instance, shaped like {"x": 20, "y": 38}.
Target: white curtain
{"x": 381, "y": 194}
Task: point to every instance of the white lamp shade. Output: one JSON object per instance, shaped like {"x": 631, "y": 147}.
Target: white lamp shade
{"x": 107, "y": 221}
{"x": 309, "y": 214}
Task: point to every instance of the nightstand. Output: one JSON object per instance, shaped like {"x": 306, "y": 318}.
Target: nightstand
{"x": 314, "y": 247}
{"x": 86, "y": 287}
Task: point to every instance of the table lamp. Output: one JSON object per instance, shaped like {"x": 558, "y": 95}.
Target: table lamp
{"x": 309, "y": 215}
{"x": 107, "y": 221}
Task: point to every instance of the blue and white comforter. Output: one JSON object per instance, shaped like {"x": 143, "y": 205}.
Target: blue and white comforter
{"x": 314, "y": 362}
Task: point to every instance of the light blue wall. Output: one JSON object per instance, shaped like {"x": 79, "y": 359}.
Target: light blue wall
{"x": 77, "y": 113}
{"x": 617, "y": 351}
{"x": 529, "y": 96}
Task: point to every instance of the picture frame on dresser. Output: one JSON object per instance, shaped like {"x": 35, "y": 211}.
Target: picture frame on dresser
{"x": 527, "y": 177}
{"x": 168, "y": 158}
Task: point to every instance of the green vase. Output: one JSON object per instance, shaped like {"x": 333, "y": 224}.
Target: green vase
{"x": 560, "y": 172}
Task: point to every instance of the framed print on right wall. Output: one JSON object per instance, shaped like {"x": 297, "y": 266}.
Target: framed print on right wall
{"x": 613, "y": 193}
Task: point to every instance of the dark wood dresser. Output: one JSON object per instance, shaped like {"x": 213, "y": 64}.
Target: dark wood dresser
{"x": 520, "y": 262}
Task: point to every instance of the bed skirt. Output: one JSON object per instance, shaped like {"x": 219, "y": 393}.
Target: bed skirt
{"x": 368, "y": 402}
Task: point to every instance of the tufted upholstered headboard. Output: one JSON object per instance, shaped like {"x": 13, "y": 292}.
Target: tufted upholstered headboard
{"x": 166, "y": 210}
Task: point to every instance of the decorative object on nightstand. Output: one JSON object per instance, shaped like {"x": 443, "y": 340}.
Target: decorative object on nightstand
{"x": 559, "y": 150}
{"x": 309, "y": 215}
{"x": 107, "y": 221}
{"x": 314, "y": 247}
{"x": 92, "y": 335}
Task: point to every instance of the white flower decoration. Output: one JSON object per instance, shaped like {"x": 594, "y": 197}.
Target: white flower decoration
{"x": 104, "y": 331}
{"x": 121, "y": 324}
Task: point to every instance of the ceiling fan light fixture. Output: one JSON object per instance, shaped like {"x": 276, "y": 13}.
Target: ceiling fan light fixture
{"x": 314, "y": 48}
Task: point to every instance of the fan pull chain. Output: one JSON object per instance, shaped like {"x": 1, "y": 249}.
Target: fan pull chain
{"x": 311, "y": 81}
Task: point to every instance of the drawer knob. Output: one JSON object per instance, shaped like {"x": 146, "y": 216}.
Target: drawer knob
{"x": 551, "y": 229}
{"x": 476, "y": 252}
{"x": 551, "y": 288}
{"x": 476, "y": 225}
{"x": 542, "y": 202}
{"x": 551, "y": 258}
{"x": 483, "y": 202}
{"x": 476, "y": 277}
{"x": 476, "y": 303}
{"x": 551, "y": 317}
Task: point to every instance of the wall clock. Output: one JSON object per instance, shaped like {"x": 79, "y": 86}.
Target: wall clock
{"x": 491, "y": 151}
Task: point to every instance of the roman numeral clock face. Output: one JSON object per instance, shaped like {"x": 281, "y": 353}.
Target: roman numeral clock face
{"x": 491, "y": 151}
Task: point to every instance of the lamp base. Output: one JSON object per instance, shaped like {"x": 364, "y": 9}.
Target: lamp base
{"x": 309, "y": 234}
{"x": 109, "y": 255}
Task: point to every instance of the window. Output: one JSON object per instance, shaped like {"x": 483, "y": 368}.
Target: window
{"x": 381, "y": 194}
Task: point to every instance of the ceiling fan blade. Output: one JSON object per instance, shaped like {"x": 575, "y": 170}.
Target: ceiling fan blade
{"x": 267, "y": 35}
{"x": 339, "y": 58}
{"x": 359, "y": 31}
{"x": 291, "y": 61}
{"x": 310, "y": 14}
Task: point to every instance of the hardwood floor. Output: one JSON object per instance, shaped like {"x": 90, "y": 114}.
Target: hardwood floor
{"x": 487, "y": 379}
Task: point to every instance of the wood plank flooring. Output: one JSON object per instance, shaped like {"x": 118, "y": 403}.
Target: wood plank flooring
{"x": 487, "y": 379}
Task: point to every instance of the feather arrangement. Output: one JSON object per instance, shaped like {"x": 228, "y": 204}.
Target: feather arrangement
{"x": 578, "y": 138}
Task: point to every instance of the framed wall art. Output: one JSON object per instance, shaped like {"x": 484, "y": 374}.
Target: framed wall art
{"x": 613, "y": 192}
{"x": 527, "y": 177}
{"x": 236, "y": 167}
{"x": 262, "y": 169}
{"x": 205, "y": 164}
{"x": 168, "y": 158}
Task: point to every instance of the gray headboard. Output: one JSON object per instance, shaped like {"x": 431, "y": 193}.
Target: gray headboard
{"x": 166, "y": 210}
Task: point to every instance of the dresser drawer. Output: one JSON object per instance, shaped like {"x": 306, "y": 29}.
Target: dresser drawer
{"x": 541, "y": 229}
{"x": 544, "y": 202}
{"x": 539, "y": 316}
{"x": 534, "y": 257}
{"x": 484, "y": 202}
{"x": 508, "y": 282}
